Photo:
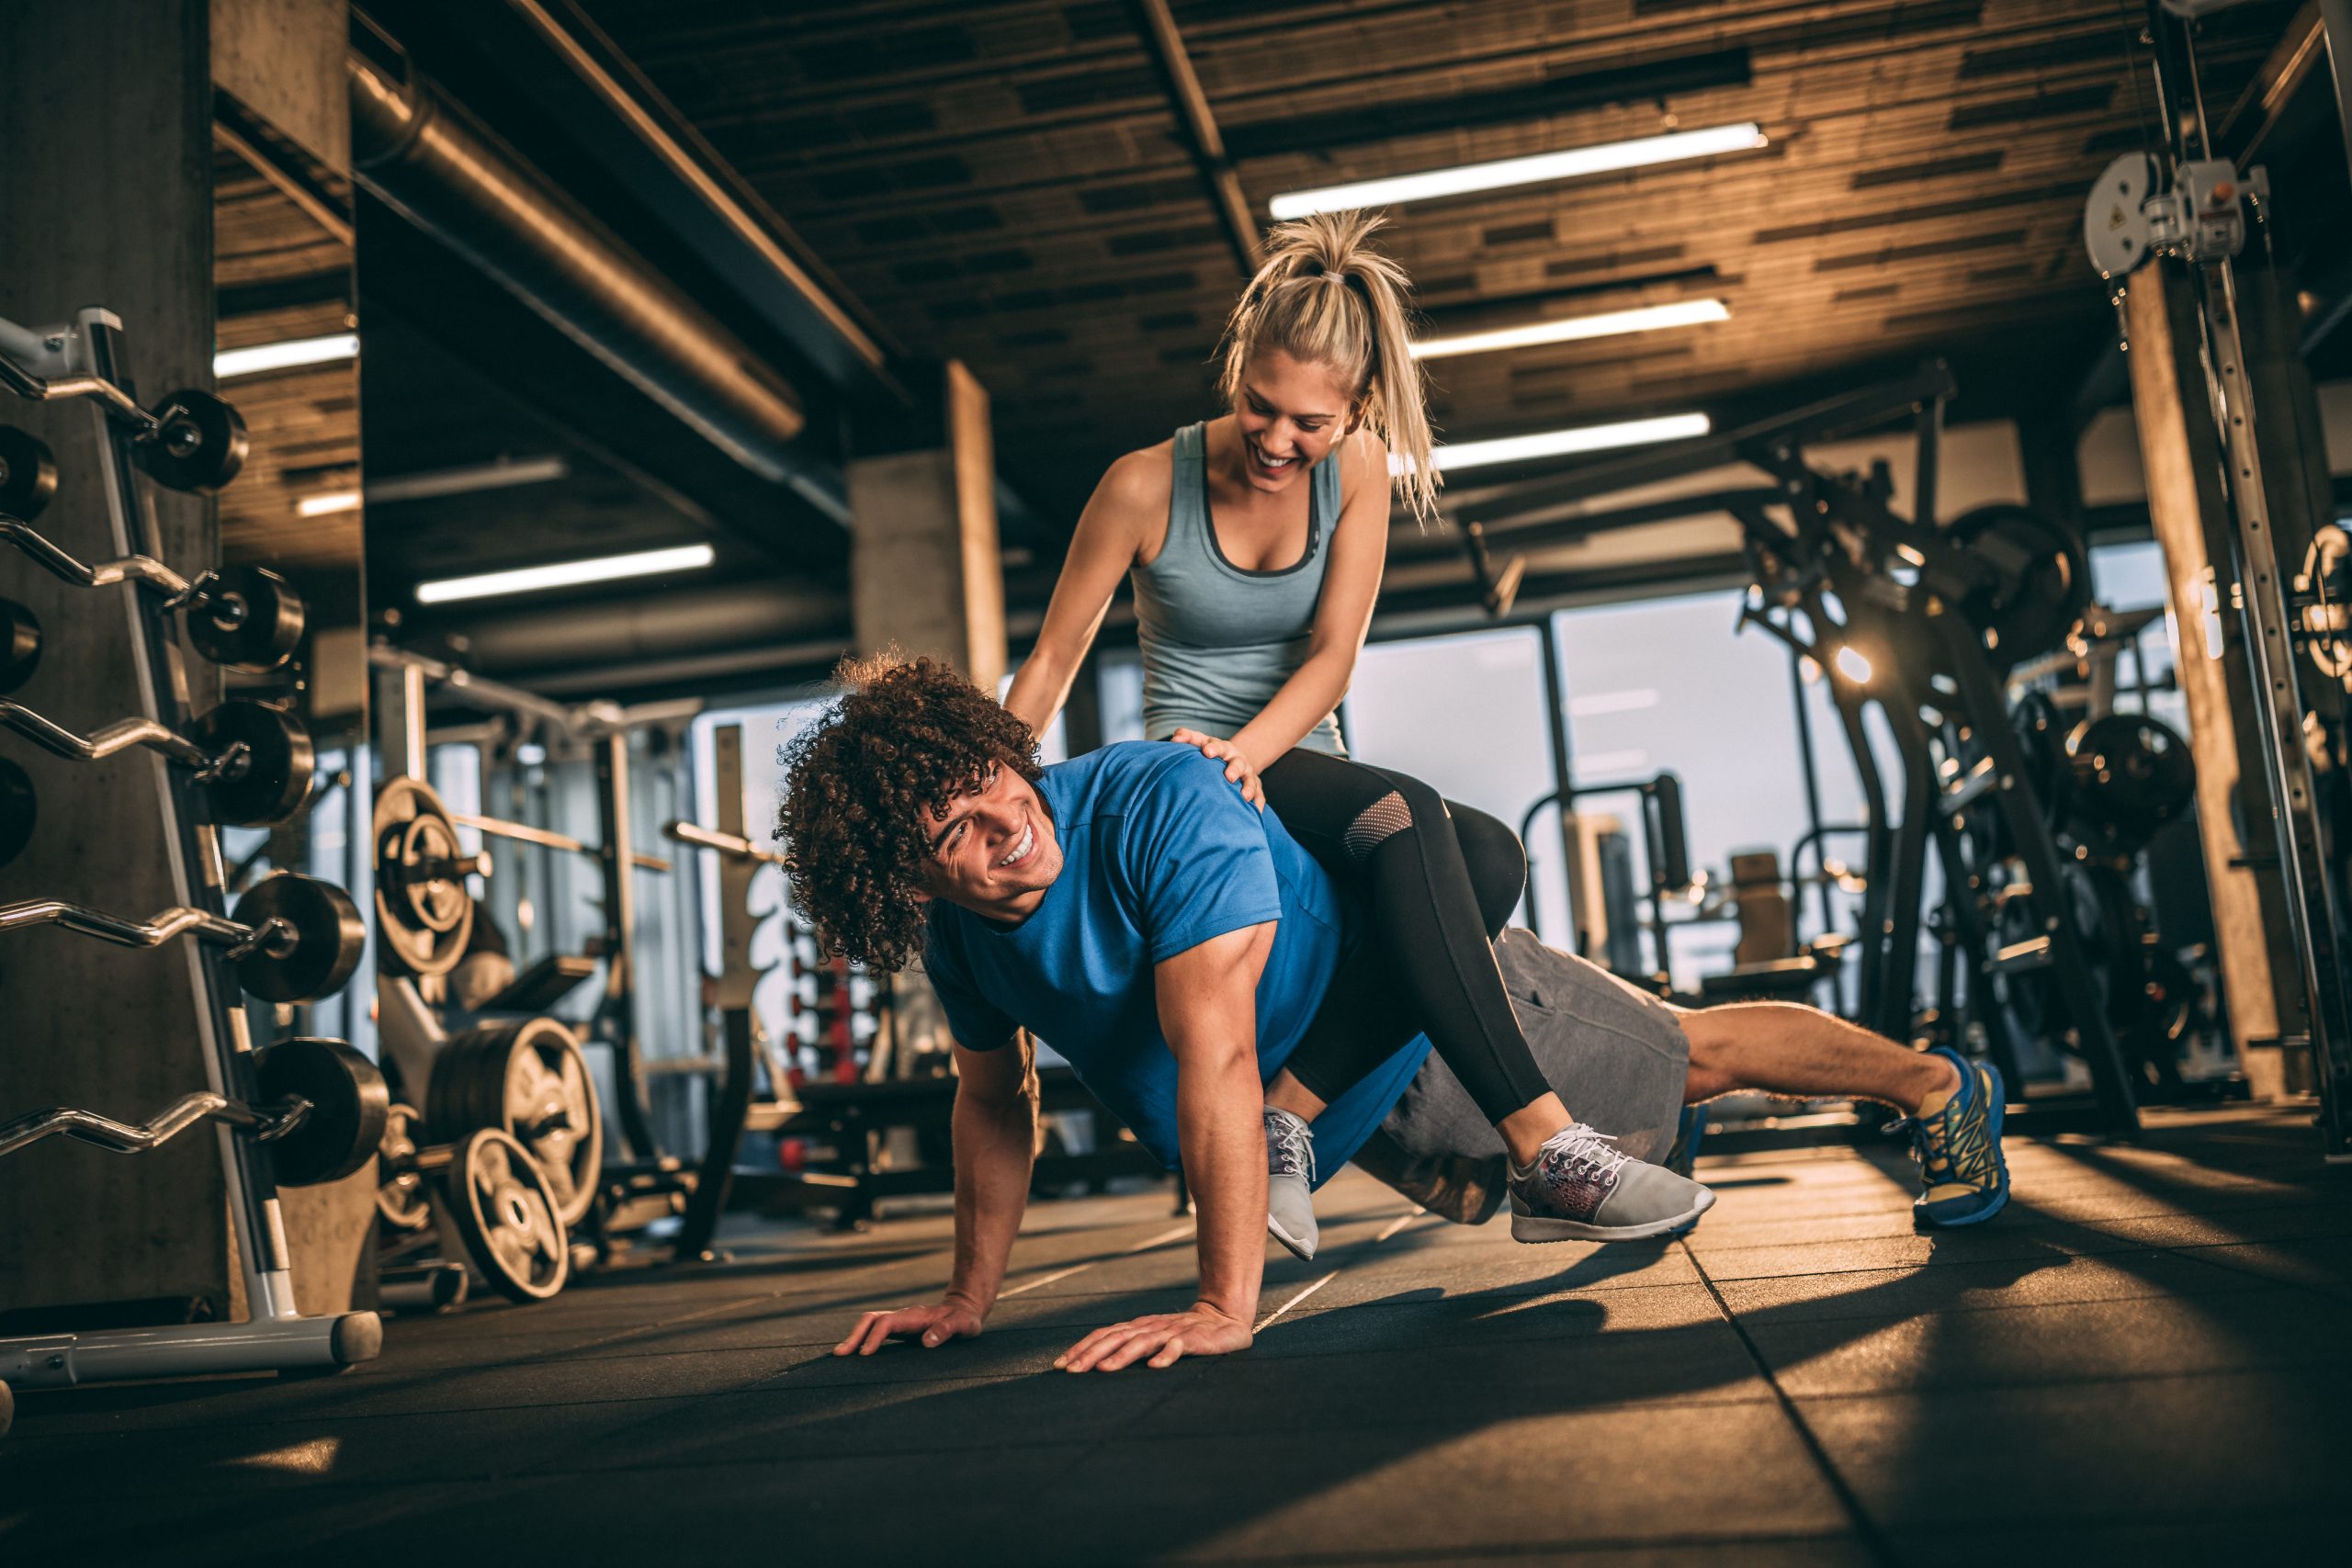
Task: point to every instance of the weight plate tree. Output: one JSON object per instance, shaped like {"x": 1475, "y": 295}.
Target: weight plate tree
{"x": 529, "y": 1079}
{"x": 424, "y": 914}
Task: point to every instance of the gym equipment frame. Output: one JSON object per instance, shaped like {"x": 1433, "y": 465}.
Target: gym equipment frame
{"x": 1938, "y": 613}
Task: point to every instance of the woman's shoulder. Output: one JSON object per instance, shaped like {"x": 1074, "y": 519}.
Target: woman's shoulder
{"x": 1135, "y": 487}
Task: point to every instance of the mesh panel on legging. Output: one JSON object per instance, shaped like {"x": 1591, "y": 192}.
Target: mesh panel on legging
{"x": 1434, "y": 886}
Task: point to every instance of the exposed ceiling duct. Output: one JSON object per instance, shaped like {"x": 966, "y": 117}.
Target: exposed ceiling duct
{"x": 422, "y": 156}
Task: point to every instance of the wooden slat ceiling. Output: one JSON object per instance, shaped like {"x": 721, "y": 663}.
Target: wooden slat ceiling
{"x": 1008, "y": 183}
{"x": 280, "y": 275}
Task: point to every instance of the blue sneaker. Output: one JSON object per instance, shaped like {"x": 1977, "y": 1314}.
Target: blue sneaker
{"x": 1963, "y": 1180}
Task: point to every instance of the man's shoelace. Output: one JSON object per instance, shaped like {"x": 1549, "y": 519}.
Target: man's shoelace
{"x": 1953, "y": 1149}
{"x": 1289, "y": 1150}
{"x": 1579, "y": 1150}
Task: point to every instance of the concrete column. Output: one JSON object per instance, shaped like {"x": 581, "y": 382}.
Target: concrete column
{"x": 925, "y": 573}
{"x": 2181, "y": 454}
{"x": 106, "y": 119}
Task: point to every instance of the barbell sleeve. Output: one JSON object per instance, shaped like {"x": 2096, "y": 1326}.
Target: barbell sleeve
{"x": 138, "y": 1137}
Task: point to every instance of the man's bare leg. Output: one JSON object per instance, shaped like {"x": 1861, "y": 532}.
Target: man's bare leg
{"x": 1801, "y": 1053}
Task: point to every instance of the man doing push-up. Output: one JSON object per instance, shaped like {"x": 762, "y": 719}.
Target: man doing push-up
{"x": 1172, "y": 942}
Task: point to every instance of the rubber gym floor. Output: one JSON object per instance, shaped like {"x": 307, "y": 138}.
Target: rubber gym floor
{"x": 2146, "y": 1359}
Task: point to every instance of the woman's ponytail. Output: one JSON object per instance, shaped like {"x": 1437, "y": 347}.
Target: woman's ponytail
{"x": 1325, "y": 297}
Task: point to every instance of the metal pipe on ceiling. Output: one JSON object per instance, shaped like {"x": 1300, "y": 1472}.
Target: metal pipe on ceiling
{"x": 418, "y": 153}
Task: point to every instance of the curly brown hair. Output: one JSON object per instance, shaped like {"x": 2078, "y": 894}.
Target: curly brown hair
{"x": 860, "y": 784}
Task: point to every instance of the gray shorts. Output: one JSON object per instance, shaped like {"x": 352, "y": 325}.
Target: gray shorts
{"x": 1615, "y": 1053}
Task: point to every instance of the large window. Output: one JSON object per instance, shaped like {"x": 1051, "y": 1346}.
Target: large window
{"x": 1672, "y": 684}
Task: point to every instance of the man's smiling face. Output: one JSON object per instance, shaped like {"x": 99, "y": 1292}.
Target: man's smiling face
{"x": 993, "y": 850}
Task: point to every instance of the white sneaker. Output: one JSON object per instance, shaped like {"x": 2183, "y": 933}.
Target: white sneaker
{"x": 1583, "y": 1187}
{"x": 1290, "y": 1183}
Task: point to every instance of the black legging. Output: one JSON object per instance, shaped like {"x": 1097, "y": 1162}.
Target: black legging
{"x": 1437, "y": 880}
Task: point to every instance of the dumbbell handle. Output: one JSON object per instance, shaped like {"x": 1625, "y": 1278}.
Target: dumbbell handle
{"x": 144, "y": 569}
{"x": 272, "y": 935}
{"x": 25, "y": 384}
{"x": 119, "y": 735}
{"x": 272, "y": 1121}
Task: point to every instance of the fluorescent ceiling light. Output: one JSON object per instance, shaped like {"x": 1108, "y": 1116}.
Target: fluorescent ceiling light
{"x": 472, "y": 477}
{"x": 330, "y": 501}
{"x": 566, "y": 574}
{"x": 1539, "y": 169}
{"x": 284, "y": 355}
{"x": 1571, "y": 329}
{"x": 1460, "y": 455}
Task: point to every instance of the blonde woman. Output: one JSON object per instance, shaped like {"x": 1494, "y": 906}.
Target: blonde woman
{"x": 1255, "y": 542}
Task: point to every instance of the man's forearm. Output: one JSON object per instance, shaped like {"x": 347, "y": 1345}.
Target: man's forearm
{"x": 1220, "y": 1124}
{"x": 996, "y": 1146}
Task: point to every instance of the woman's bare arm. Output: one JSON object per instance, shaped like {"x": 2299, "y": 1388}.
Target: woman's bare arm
{"x": 1111, "y": 533}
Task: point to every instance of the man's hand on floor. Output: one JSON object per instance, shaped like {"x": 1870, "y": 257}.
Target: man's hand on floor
{"x": 933, "y": 1325}
{"x": 1165, "y": 1339}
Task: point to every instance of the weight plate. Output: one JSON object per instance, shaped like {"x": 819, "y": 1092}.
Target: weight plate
{"x": 18, "y": 812}
{"x": 252, "y": 620}
{"x": 272, "y": 782}
{"x": 437, "y": 899}
{"x": 199, "y": 445}
{"x": 19, "y": 645}
{"x": 2037, "y": 1010}
{"x": 2131, "y": 775}
{"x": 348, "y": 1107}
{"x": 400, "y": 1185}
{"x": 318, "y": 959}
{"x": 530, "y": 1080}
{"x": 2043, "y": 579}
{"x": 408, "y": 941}
{"x": 2040, "y": 734}
{"x": 2116, "y": 231}
{"x": 27, "y": 473}
{"x": 500, "y": 1202}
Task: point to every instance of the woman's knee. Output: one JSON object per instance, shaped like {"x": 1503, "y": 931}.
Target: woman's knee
{"x": 1496, "y": 861}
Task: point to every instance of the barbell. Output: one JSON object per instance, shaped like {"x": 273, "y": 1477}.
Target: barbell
{"x": 292, "y": 938}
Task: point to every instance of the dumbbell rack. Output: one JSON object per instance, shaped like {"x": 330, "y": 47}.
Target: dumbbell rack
{"x": 85, "y": 358}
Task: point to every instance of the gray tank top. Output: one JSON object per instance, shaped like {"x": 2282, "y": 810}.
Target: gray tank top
{"x": 1218, "y": 641}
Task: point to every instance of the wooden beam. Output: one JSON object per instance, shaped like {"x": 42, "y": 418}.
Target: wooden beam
{"x": 1192, "y": 107}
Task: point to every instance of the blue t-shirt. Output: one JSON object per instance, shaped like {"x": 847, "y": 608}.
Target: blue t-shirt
{"x": 1159, "y": 853}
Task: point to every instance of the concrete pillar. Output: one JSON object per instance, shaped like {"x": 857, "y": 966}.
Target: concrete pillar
{"x": 281, "y": 62}
{"x": 106, "y": 117}
{"x": 925, "y": 573}
{"x": 2180, "y": 452}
